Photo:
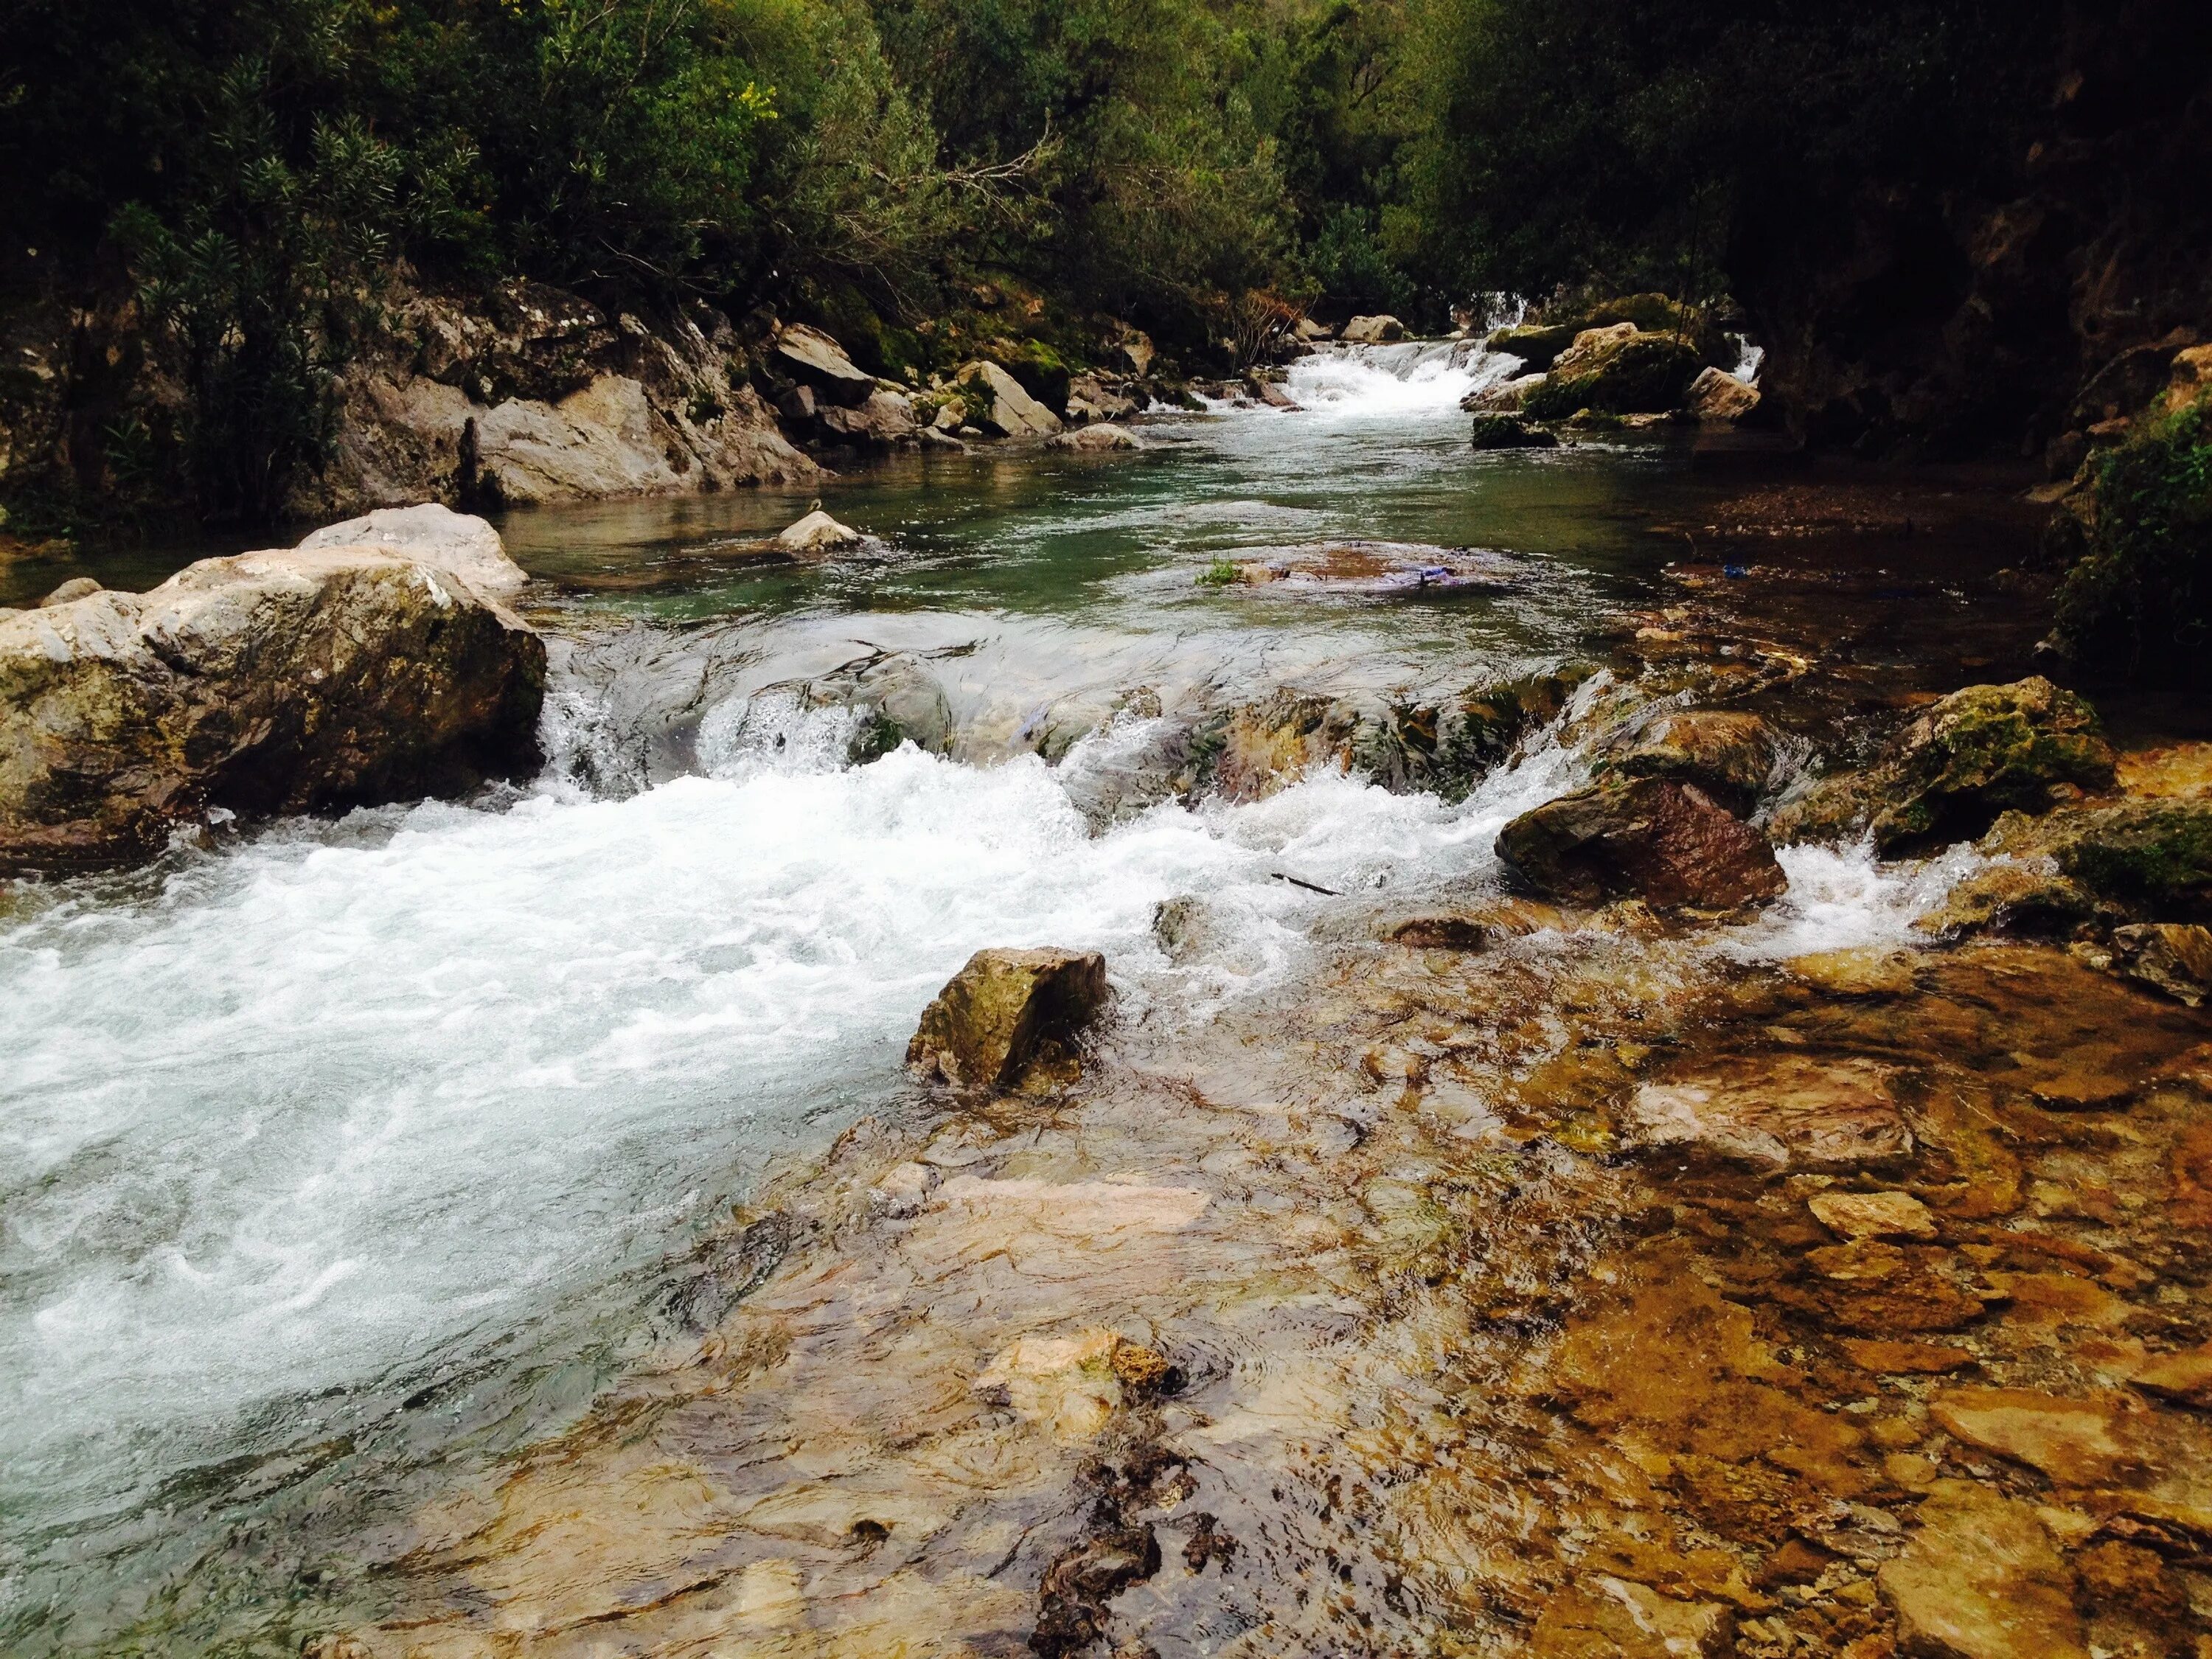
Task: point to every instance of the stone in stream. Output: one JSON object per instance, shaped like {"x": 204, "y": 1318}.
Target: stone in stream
{"x": 1374, "y": 331}
{"x": 1728, "y": 756}
{"x": 1616, "y": 370}
{"x": 1501, "y": 431}
{"x": 1601, "y": 1617}
{"x": 1790, "y": 1112}
{"x": 435, "y": 535}
{"x": 1978, "y": 753}
{"x": 1718, "y": 395}
{"x": 1007, "y": 1015}
{"x": 1096, "y": 441}
{"x": 285, "y": 681}
{"x": 2174, "y": 958}
{"x": 1981, "y": 1579}
{"x": 1873, "y": 1215}
{"x": 1505, "y": 398}
{"x": 817, "y": 533}
{"x": 1666, "y": 843}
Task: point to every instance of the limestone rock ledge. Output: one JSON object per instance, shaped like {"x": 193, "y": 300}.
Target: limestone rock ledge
{"x": 318, "y": 677}
{"x": 536, "y": 396}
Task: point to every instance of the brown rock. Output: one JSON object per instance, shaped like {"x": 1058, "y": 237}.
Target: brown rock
{"x": 1601, "y": 1617}
{"x": 1718, "y": 395}
{"x": 1873, "y": 1215}
{"x": 1894, "y": 1358}
{"x": 1006, "y": 1013}
{"x": 277, "y": 681}
{"x": 2186, "y": 1377}
{"x": 1786, "y": 1113}
{"x": 1727, "y": 754}
{"x": 2168, "y": 956}
{"x": 2077, "y": 1443}
{"x": 1666, "y": 843}
{"x": 1444, "y": 932}
{"x": 1861, "y": 972}
{"x": 1981, "y": 1579}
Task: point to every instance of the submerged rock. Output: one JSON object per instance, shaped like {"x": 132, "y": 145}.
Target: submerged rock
{"x": 273, "y": 681}
{"x": 1008, "y": 1014}
{"x": 1601, "y": 1617}
{"x": 1978, "y": 753}
{"x": 1500, "y": 431}
{"x": 1981, "y": 1579}
{"x": 1666, "y": 843}
{"x": 1790, "y": 1114}
{"x": 899, "y": 701}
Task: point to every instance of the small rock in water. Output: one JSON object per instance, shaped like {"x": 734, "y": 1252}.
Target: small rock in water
{"x": 76, "y": 587}
{"x": 2169, "y": 957}
{"x": 1096, "y": 440}
{"x": 1618, "y": 1619}
{"x": 1786, "y": 1114}
{"x": 1008, "y": 1014}
{"x": 1981, "y": 1579}
{"x": 1501, "y": 431}
{"x": 1443, "y": 932}
{"x": 817, "y": 533}
{"x": 1874, "y": 1215}
{"x": 1666, "y": 843}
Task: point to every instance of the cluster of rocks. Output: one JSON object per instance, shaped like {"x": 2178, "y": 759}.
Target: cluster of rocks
{"x": 1629, "y": 362}
{"x": 376, "y": 661}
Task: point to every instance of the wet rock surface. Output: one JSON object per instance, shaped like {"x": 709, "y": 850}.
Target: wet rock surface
{"x": 1665, "y": 841}
{"x": 1569, "y": 1278}
{"x": 1009, "y": 1016}
{"x": 326, "y": 676}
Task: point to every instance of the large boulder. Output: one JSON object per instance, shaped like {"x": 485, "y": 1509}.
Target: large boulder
{"x": 1651, "y": 838}
{"x": 1007, "y": 1015}
{"x": 1718, "y": 395}
{"x": 814, "y": 360}
{"x": 1978, "y": 753}
{"x": 1617, "y": 370}
{"x": 459, "y": 543}
{"x": 881, "y": 421}
{"x": 1536, "y": 344}
{"x": 997, "y": 403}
{"x": 276, "y": 681}
{"x": 1506, "y": 398}
{"x": 1727, "y": 754}
{"x": 1374, "y": 331}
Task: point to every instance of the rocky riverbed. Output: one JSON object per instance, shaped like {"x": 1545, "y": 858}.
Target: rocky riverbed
{"x": 1571, "y": 1277}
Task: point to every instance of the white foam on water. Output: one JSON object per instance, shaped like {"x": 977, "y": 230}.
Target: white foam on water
{"x": 342, "y": 1096}
{"x": 1391, "y": 382}
{"x": 1843, "y": 897}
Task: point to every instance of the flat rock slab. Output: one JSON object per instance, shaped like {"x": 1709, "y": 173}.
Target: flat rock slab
{"x": 458, "y": 543}
{"x": 1784, "y": 1114}
{"x": 1981, "y": 1579}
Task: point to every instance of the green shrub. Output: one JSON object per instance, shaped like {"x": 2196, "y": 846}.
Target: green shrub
{"x": 2138, "y": 602}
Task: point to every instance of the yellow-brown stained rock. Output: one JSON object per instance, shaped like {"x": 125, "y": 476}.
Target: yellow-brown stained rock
{"x": 1778, "y": 1113}
{"x": 2186, "y": 1377}
{"x": 1906, "y": 1358}
{"x": 2077, "y": 1443}
{"x": 1005, "y": 1012}
{"x": 1873, "y": 1215}
{"x": 1981, "y": 1579}
{"x": 1602, "y": 1617}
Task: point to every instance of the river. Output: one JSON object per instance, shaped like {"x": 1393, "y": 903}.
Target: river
{"x": 337, "y": 1155}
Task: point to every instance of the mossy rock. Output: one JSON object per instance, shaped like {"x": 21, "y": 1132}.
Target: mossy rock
{"x": 1510, "y": 432}
{"x": 1632, "y": 373}
{"x": 1039, "y": 369}
{"x": 2153, "y": 857}
{"x": 1984, "y": 751}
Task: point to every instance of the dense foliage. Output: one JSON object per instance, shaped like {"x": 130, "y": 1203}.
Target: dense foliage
{"x": 2138, "y": 600}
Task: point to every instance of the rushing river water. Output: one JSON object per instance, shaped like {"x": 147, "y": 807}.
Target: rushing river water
{"x": 340, "y": 1149}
